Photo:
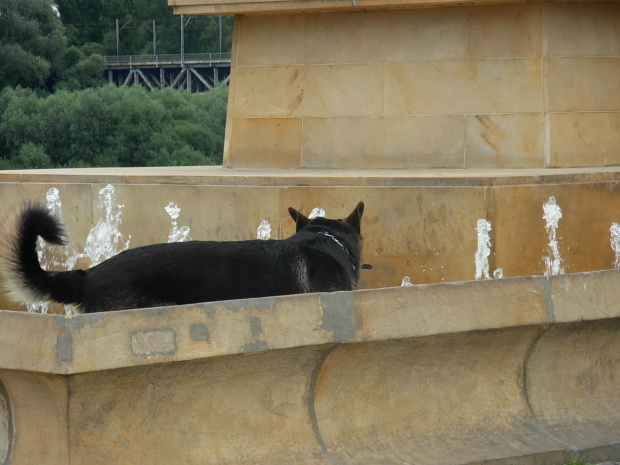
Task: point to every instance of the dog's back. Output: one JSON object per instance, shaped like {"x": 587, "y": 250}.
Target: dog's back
{"x": 323, "y": 255}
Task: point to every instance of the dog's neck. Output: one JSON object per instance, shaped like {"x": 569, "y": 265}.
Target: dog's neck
{"x": 340, "y": 243}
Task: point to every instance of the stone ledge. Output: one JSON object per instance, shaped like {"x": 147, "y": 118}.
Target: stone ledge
{"x": 207, "y": 7}
{"x": 494, "y": 372}
{"x": 103, "y": 341}
{"x": 217, "y": 175}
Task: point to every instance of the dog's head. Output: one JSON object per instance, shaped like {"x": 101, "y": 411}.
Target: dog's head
{"x": 354, "y": 219}
{"x": 347, "y": 230}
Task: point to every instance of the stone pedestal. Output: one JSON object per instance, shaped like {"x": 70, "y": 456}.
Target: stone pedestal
{"x": 406, "y": 84}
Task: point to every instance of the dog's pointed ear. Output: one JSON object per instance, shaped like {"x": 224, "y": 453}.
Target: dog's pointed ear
{"x": 301, "y": 221}
{"x": 355, "y": 218}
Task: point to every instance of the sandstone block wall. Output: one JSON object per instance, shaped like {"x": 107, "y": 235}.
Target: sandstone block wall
{"x": 527, "y": 85}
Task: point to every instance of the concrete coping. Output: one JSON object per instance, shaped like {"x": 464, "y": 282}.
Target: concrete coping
{"x": 211, "y": 7}
{"x": 218, "y": 175}
{"x": 102, "y": 341}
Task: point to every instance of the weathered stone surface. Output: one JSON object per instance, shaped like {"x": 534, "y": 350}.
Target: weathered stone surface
{"x": 519, "y": 85}
{"x": 521, "y": 370}
{"x": 514, "y": 370}
{"x": 419, "y": 224}
{"x": 37, "y": 407}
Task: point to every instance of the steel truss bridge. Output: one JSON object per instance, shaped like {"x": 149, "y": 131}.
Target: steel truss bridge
{"x": 196, "y": 72}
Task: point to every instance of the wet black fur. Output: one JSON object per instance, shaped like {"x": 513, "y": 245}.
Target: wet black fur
{"x": 198, "y": 271}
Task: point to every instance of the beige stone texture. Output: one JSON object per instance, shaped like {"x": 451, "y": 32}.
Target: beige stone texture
{"x": 505, "y": 141}
{"x": 276, "y": 40}
{"x": 405, "y": 422}
{"x": 422, "y": 235}
{"x": 227, "y": 410}
{"x": 408, "y": 423}
{"x": 387, "y": 36}
{"x": 520, "y": 67}
{"x": 571, "y": 292}
{"x": 323, "y": 377}
{"x": 354, "y": 38}
{"x": 584, "y": 385}
{"x": 505, "y": 31}
{"x": 582, "y": 29}
{"x": 585, "y": 139}
{"x": 400, "y": 141}
{"x": 37, "y": 405}
{"x": 575, "y": 84}
{"x": 194, "y": 331}
{"x": 463, "y": 87}
{"x": 427, "y": 34}
{"x": 265, "y": 141}
{"x": 435, "y": 308}
{"x": 309, "y": 90}
{"x": 521, "y": 242}
{"x": 19, "y": 328}
{"x": 174, "y": 176}
{"x": 106, "y": 341}
{"x": 226, "y": 212}
{"x": 260, "y": 7}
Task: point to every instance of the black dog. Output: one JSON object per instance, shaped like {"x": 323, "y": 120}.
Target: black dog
{"x": 322, "y": 256}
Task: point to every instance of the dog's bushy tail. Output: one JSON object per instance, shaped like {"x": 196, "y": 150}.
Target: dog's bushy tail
{"x": 20, "y": 272}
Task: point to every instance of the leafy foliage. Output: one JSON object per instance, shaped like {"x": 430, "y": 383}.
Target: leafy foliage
{"x": 94, "y": 21}
{"x": 56, "y": 109}
{"x": 32, "y": 42}
{"x": 34, "y": 53}
{"x": 110, "y": 126}
{"x": 60, "y": 44}
{"x": 33, "y": 156}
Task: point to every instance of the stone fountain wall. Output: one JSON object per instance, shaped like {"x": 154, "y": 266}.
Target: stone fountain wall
{"x": 415, "y": 224}
{"x": 526, "y": 85}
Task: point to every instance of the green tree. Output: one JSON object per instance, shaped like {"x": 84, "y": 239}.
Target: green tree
{"x": 32, "y": 43}
{"x": 82, "y": 21}
{"x": 20, "y": 121}
{"x": 33, "y": 156}
{"x": 94, "y": 21}
{"x": 111, "y": 126}
{"x": 87, "y": 72}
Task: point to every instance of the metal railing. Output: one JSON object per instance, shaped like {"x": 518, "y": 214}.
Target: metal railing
{"x": 137, "y": 60}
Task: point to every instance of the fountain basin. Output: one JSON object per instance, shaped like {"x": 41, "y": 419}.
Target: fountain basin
{"x": 522, "y": 370}
{"x": 516, "y": 370}
{"x": 420, "y": 224}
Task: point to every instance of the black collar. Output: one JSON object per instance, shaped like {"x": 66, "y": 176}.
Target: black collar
{"x": 340, "y": 243}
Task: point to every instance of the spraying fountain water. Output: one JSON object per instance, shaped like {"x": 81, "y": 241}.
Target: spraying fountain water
{"x": 615, "y": 243}
{"x": 263, "y": 231}
{"x": 316, "y": 213}
{"x": 104, "y": 239}
{"x": 176, "y": 234}
{"x": 481, "y": 257}
{"x": 552, "y": 215}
